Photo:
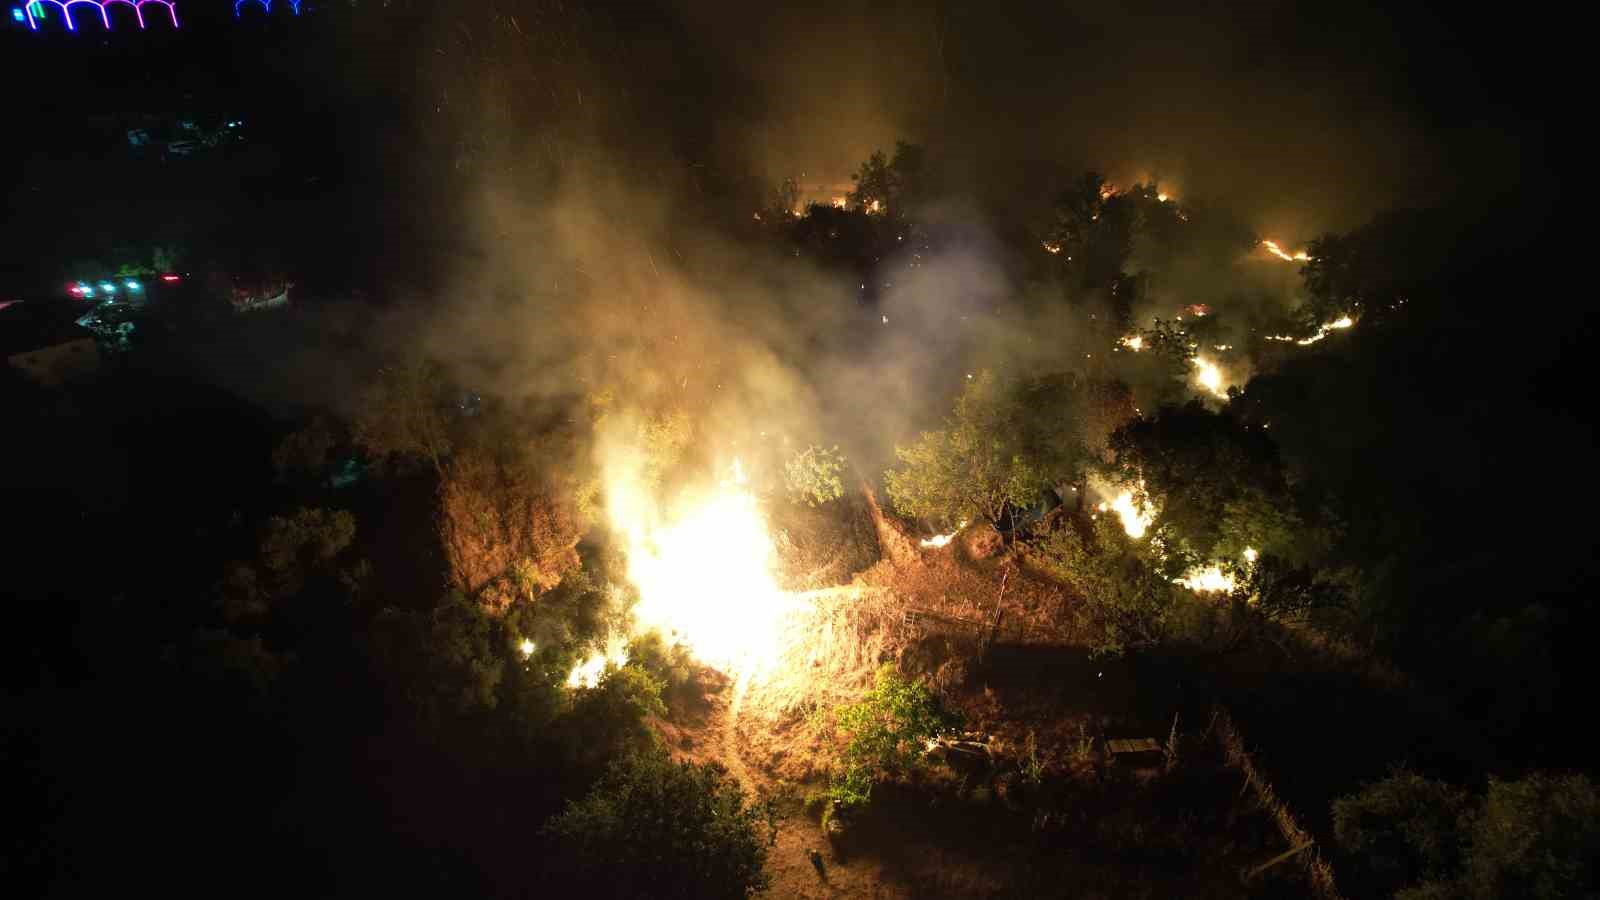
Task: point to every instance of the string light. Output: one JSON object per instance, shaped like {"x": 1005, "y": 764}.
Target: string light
{"x": 33, "y": 15}
{"x": 266, "y": 6}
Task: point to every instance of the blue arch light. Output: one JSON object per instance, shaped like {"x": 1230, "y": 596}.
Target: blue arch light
{"x": 266, "y": 6}
{"x": 34, "y": 10}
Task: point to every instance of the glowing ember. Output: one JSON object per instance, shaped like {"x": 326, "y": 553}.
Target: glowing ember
{"x": 941, "y": 540}
{"x": 1250, "y": 554}
{"x": 703, "y": 568}
{"x": 1207, "y": 580}
{"x": 1208, "y": 376}
{"x": 1163, "y": 197}
{"x": 839, "y": 203}
{"x": 1279, "y": 252}
{"x": 1135, "y": 521}
{"x": 1322, "y": 331}
{"x": 1052, "y": 247}
{"x": 526, "y": 647}
{"x": 1133, "y": 342}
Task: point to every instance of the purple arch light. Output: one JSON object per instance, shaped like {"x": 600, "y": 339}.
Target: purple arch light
{"x": 67, "y": 8}
{"x": 266, "y": 6}
{"x": 138, "y": 10}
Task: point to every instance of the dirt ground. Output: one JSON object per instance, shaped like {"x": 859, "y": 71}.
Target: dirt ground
{"x": 1099, "y": 832}
{"x": 1087, "y": 828}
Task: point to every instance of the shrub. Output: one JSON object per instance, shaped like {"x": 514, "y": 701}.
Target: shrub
{"x": 815, "y": 475}
{"x": 608, "y": 719}
{"x": 1536, "y": 837}
{"x": 1403, "y": 826}
{"x": 652, "y": 827}
{"x": 888, "y": 733}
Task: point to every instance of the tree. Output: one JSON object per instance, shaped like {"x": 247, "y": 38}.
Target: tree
{"x": 1005, "y": 444}
{"x": 1092, "y": 233}
{"x": 1375, "y": 272}
{"x": 784, "y": 201}
{"x": 402, "y": 414}
{"x": 652, "y": 827}
{"x": 885, "y": 185}
{"x": 1218, "y": 485}
{"x": 1127, "y": 603}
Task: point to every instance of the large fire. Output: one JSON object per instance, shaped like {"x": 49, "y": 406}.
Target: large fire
{"x": 1135, "y": 520}
{"x": 1209, "y": 377}
{"x": 703, "y": 567}
{"x": 1210, "y": 579}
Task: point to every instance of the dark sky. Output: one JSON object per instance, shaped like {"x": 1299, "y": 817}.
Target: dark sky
{"x": 1301, "y": 117}
{"x": 1305, "y": 116}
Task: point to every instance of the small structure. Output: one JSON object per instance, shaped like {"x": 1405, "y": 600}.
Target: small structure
{"x": 1139, "y": 752}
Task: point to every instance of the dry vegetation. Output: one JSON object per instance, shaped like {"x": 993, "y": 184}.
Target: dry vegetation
{"x": 1047, "y": 814}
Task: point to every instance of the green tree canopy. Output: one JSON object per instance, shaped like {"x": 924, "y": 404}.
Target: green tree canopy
{"x": 1217, "y": 484}
{"x": 1005, "y": 444}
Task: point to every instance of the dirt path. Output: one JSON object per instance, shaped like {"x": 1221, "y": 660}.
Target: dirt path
{"x": 788, "y": 862}
{"x": 732, "y": 757}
